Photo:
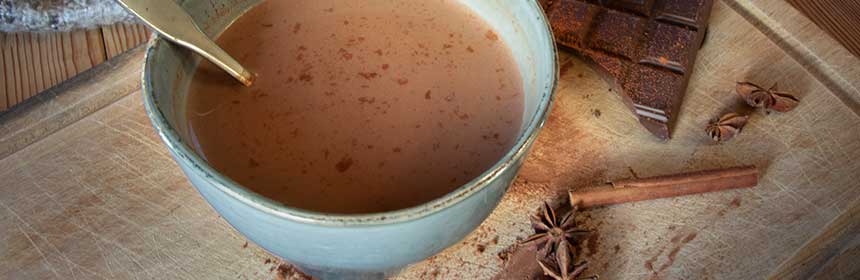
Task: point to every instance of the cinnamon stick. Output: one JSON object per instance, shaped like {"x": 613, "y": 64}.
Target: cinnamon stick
{"x": 630, "y": 190}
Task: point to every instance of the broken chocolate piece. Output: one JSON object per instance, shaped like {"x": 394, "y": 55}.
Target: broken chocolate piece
{"x": 645, "y": 48}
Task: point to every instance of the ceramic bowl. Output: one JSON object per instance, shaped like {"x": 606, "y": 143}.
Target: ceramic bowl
{"x": 334, "y": 245}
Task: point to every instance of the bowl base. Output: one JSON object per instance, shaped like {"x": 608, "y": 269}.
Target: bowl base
{"x": 324, "y": 273}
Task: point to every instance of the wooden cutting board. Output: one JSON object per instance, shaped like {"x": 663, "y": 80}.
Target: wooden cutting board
{"x": 97, "y": 195}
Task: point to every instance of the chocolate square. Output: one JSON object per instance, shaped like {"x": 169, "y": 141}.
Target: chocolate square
{"x": 616, "y": 32}
{"x": 611, "y": 65}
{"x": 652, "y": 90}
{"x": 640, "y": 7}
{"x": 669, "y": 47}
{"x": 572, "y": 30}
{"x": 683, "y": 12}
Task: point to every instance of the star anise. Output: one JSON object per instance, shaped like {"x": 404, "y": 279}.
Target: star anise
{"x": 560, "y": 266}
{"x": 726, "y": 127}
{"x": 551, "y": 231}
{"x": 769, "y": 99}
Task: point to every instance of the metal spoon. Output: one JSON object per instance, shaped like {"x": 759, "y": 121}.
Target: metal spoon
{"x": 172, "y": 22}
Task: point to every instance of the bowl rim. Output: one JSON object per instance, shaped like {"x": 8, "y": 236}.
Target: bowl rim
{"x": 184, "y": 155}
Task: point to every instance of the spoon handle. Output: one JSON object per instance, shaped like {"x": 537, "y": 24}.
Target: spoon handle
{"x": 172, "y": 22}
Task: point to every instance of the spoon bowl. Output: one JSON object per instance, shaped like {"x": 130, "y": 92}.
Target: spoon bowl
{"x": 174, "y": 24}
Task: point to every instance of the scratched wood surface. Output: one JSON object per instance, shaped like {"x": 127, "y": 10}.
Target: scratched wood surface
{"x": 33, "y": 62}
{"x": 825, "y": 254}
{"x": 840, "y": 18}
{"x": 844, "y": 264}
{"x": 102, "y": 199}
{"x": 812, "y": 48}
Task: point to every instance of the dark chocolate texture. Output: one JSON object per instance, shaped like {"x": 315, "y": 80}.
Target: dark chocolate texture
{"x": 645, "y": 48}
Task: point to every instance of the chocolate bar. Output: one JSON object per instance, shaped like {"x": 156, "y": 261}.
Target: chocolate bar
{"x": 645, "y": 49}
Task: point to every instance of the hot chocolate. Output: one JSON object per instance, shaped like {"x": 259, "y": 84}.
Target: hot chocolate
{"x": 360, "y": 106}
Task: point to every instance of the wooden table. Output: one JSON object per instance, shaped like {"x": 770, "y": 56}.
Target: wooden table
{"x": 89, "y": 191}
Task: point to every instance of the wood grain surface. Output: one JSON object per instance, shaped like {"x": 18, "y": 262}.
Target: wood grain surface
{"x": 833, "y": 241}
{"x": 843, "y": 265}
{"x": 821, "y": 55}
{"x": 102, "y": 198}
{"x": 33, "y": 62}
{"x": 840, "y": 18}
{"x": 69, "y": 102}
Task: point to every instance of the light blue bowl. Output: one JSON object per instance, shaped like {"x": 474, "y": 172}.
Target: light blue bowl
{"x": 350, "y": 246}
